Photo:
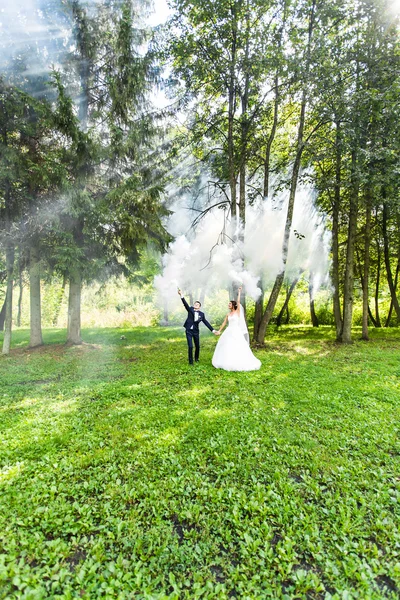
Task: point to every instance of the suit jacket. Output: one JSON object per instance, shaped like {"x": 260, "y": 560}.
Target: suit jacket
{"x": 190, "y": 322}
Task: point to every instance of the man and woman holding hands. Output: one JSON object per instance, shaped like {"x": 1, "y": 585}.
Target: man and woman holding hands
{"x": 232, "y": 352}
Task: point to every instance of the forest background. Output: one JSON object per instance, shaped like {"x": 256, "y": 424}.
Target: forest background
{"x": 240, "y": 142}
{"x": 237, "y": 141}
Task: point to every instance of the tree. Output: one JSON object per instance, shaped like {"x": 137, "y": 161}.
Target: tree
{"x": 222, "y": 54}
{"x": 14, "y": 128}
{"x": 112, "y": 79}
{"x": 310, "y": 10}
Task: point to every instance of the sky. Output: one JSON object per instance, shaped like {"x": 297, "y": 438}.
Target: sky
{"x": 160, "y": 15}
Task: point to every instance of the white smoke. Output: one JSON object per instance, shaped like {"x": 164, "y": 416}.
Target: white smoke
{"x": 308, "y": 245}
{"x": 207, "y": 259}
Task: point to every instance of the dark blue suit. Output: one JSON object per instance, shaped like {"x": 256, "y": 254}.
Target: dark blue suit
{"x": 192, "y": 330}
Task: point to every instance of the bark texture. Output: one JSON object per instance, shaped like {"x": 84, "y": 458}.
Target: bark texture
{"x": 10, "y": 253}
{"x": 365, "y": 286}
{"x": 287, "y": 299}
{"x": 389, "y": 273}
{"x": 348, "y": 293}
{"x": 293, "y": 186}
{"x": 74, "y": 308}
{"x": 337, "y": 311}
{"x": 36, "y": 338}
{"x": 313, "y": 314}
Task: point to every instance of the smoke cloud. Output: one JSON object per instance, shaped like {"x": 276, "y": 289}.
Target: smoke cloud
{"x": 207, "y": 259}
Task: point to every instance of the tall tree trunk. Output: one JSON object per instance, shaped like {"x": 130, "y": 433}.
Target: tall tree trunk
{"x": 396, "y": 278}
{"x": 288, "y": 227}
{"x": 259, "y": 304}
{"x": 272, "y": 133}
{"x": 285, "y": 246}
{"x": 389, "y": 274}
{"x": 287, "y": 320}
{"x": 377, "y": 283}
{"x": 361, "y": 276}
{"x": 243, "y": 157}
{"x": 10, "y": 253}
{"x": 36, "y": 338}
{"x": 75, "y": 275}
{"x": 244, "y": 126}
{"x": 74, "y": 308}
{"x": 313, "y": 314}
{"x": 242, "y": 206}
{"x": 21, "y": 288}
{"x": 271, "y": 138}
{"x": 285, "y": 306}
{"x": 75, "y": 290}
{"x": 3, "y": 314}
{"x": 337, "y": 312}
{"x": 345, "y": 334}
{"x": 365, "y": 279}
{"x": 242, "y": 197}
{"x": 10, "y": 257}
{"x": 258, "y": 311}
{"x": 293, "y": 186}
{"x": 231, "y": 117}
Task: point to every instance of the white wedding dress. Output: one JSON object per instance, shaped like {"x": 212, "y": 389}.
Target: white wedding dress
{"x": 233, "y": 352}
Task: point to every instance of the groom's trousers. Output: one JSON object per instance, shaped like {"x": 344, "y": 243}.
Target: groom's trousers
{"x": 193, "y": 335}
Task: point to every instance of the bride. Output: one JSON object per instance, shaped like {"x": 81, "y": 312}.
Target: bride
{"x": 232, "y": 352}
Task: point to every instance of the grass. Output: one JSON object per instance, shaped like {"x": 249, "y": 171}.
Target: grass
{"x": 125, "y": 473}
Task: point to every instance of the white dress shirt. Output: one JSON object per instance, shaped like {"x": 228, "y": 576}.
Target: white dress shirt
{"x": 196, "y": 317}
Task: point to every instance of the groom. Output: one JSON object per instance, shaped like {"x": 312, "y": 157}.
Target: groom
{"x": 191, "y": 325}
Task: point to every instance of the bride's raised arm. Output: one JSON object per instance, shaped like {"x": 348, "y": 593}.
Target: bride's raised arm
{"x": 238, "y": 300}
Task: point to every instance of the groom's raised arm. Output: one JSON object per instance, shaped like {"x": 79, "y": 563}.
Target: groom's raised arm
{"x": 185, "y": 304}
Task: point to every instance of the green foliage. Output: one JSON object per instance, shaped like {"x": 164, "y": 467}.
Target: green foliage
{"x": 30, "y": 159}
{"x": 218, "y": 48}
{"x": 115, "y": 302}
{"x": 114, "y": 207}
{"x": 256, "y": 75}
{"x": 76, "y": 183}
{"x": 125, "y": 473}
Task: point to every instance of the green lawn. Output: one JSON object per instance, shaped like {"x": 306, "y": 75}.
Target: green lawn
{"x": 125, "y": 473}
